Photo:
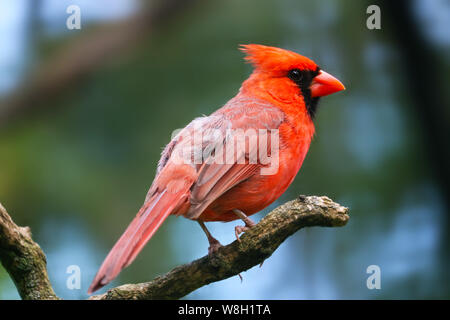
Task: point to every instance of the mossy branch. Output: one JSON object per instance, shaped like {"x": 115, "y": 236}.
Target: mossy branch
{"x": 25, "y": 261}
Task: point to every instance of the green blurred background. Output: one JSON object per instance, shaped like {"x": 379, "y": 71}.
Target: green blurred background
{"x": 85, "y": 114}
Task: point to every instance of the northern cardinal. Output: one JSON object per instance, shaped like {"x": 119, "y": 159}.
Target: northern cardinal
{"x": 280, "y": 96}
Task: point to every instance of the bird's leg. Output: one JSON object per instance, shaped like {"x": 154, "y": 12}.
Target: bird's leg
{"x": 214, "y": 244}
{"x": 248, "y": 223}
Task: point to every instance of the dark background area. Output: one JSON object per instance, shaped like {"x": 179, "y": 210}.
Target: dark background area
{"x": 84, "y": 115}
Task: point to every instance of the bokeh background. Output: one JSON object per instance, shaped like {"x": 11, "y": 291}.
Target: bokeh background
{"x": 84, "y": 115}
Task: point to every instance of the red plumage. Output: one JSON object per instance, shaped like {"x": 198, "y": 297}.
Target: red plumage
{"x": 277, "y": 97}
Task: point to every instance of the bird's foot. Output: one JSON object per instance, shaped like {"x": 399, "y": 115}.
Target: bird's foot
{"x": 214, "y": 245}
{"x": 240, "y": 229}
{"x": 248, "y": 223}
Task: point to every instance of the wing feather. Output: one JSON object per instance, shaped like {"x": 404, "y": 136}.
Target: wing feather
{"x": 217, "y": 132}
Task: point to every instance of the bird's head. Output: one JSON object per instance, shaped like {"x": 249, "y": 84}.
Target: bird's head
{"x": 288, "y": 76}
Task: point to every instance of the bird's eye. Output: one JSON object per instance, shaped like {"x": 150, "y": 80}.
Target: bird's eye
{"x": 295, "y": 75}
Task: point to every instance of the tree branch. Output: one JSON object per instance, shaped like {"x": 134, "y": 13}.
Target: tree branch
{"x": 24, "y": 260}
{"x": 255, "y": 246}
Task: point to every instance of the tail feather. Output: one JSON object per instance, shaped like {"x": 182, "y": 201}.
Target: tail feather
{"x": 141, "y": 229}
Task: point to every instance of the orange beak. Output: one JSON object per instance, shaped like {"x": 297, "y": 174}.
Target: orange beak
{"x": 324, "y": 84}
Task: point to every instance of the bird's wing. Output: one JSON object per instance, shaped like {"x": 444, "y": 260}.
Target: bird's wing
{"x": 185, "y": 184}
{"x": 217, "y": 148}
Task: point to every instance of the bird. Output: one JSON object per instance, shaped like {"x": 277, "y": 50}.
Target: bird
{"x": 236, "y": 161}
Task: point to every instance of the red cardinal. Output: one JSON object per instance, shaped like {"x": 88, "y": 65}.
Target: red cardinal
{"x": 208, "y": 171}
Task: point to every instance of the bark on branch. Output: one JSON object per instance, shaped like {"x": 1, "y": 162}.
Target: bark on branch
{"x": 25, "y": 262}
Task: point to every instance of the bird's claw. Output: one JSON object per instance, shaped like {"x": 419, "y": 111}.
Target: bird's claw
{"x": 248, "y": 223}
{"x": 240, "y": 229}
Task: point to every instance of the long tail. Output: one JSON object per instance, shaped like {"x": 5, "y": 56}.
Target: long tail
{"x": 141, "y": 229}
